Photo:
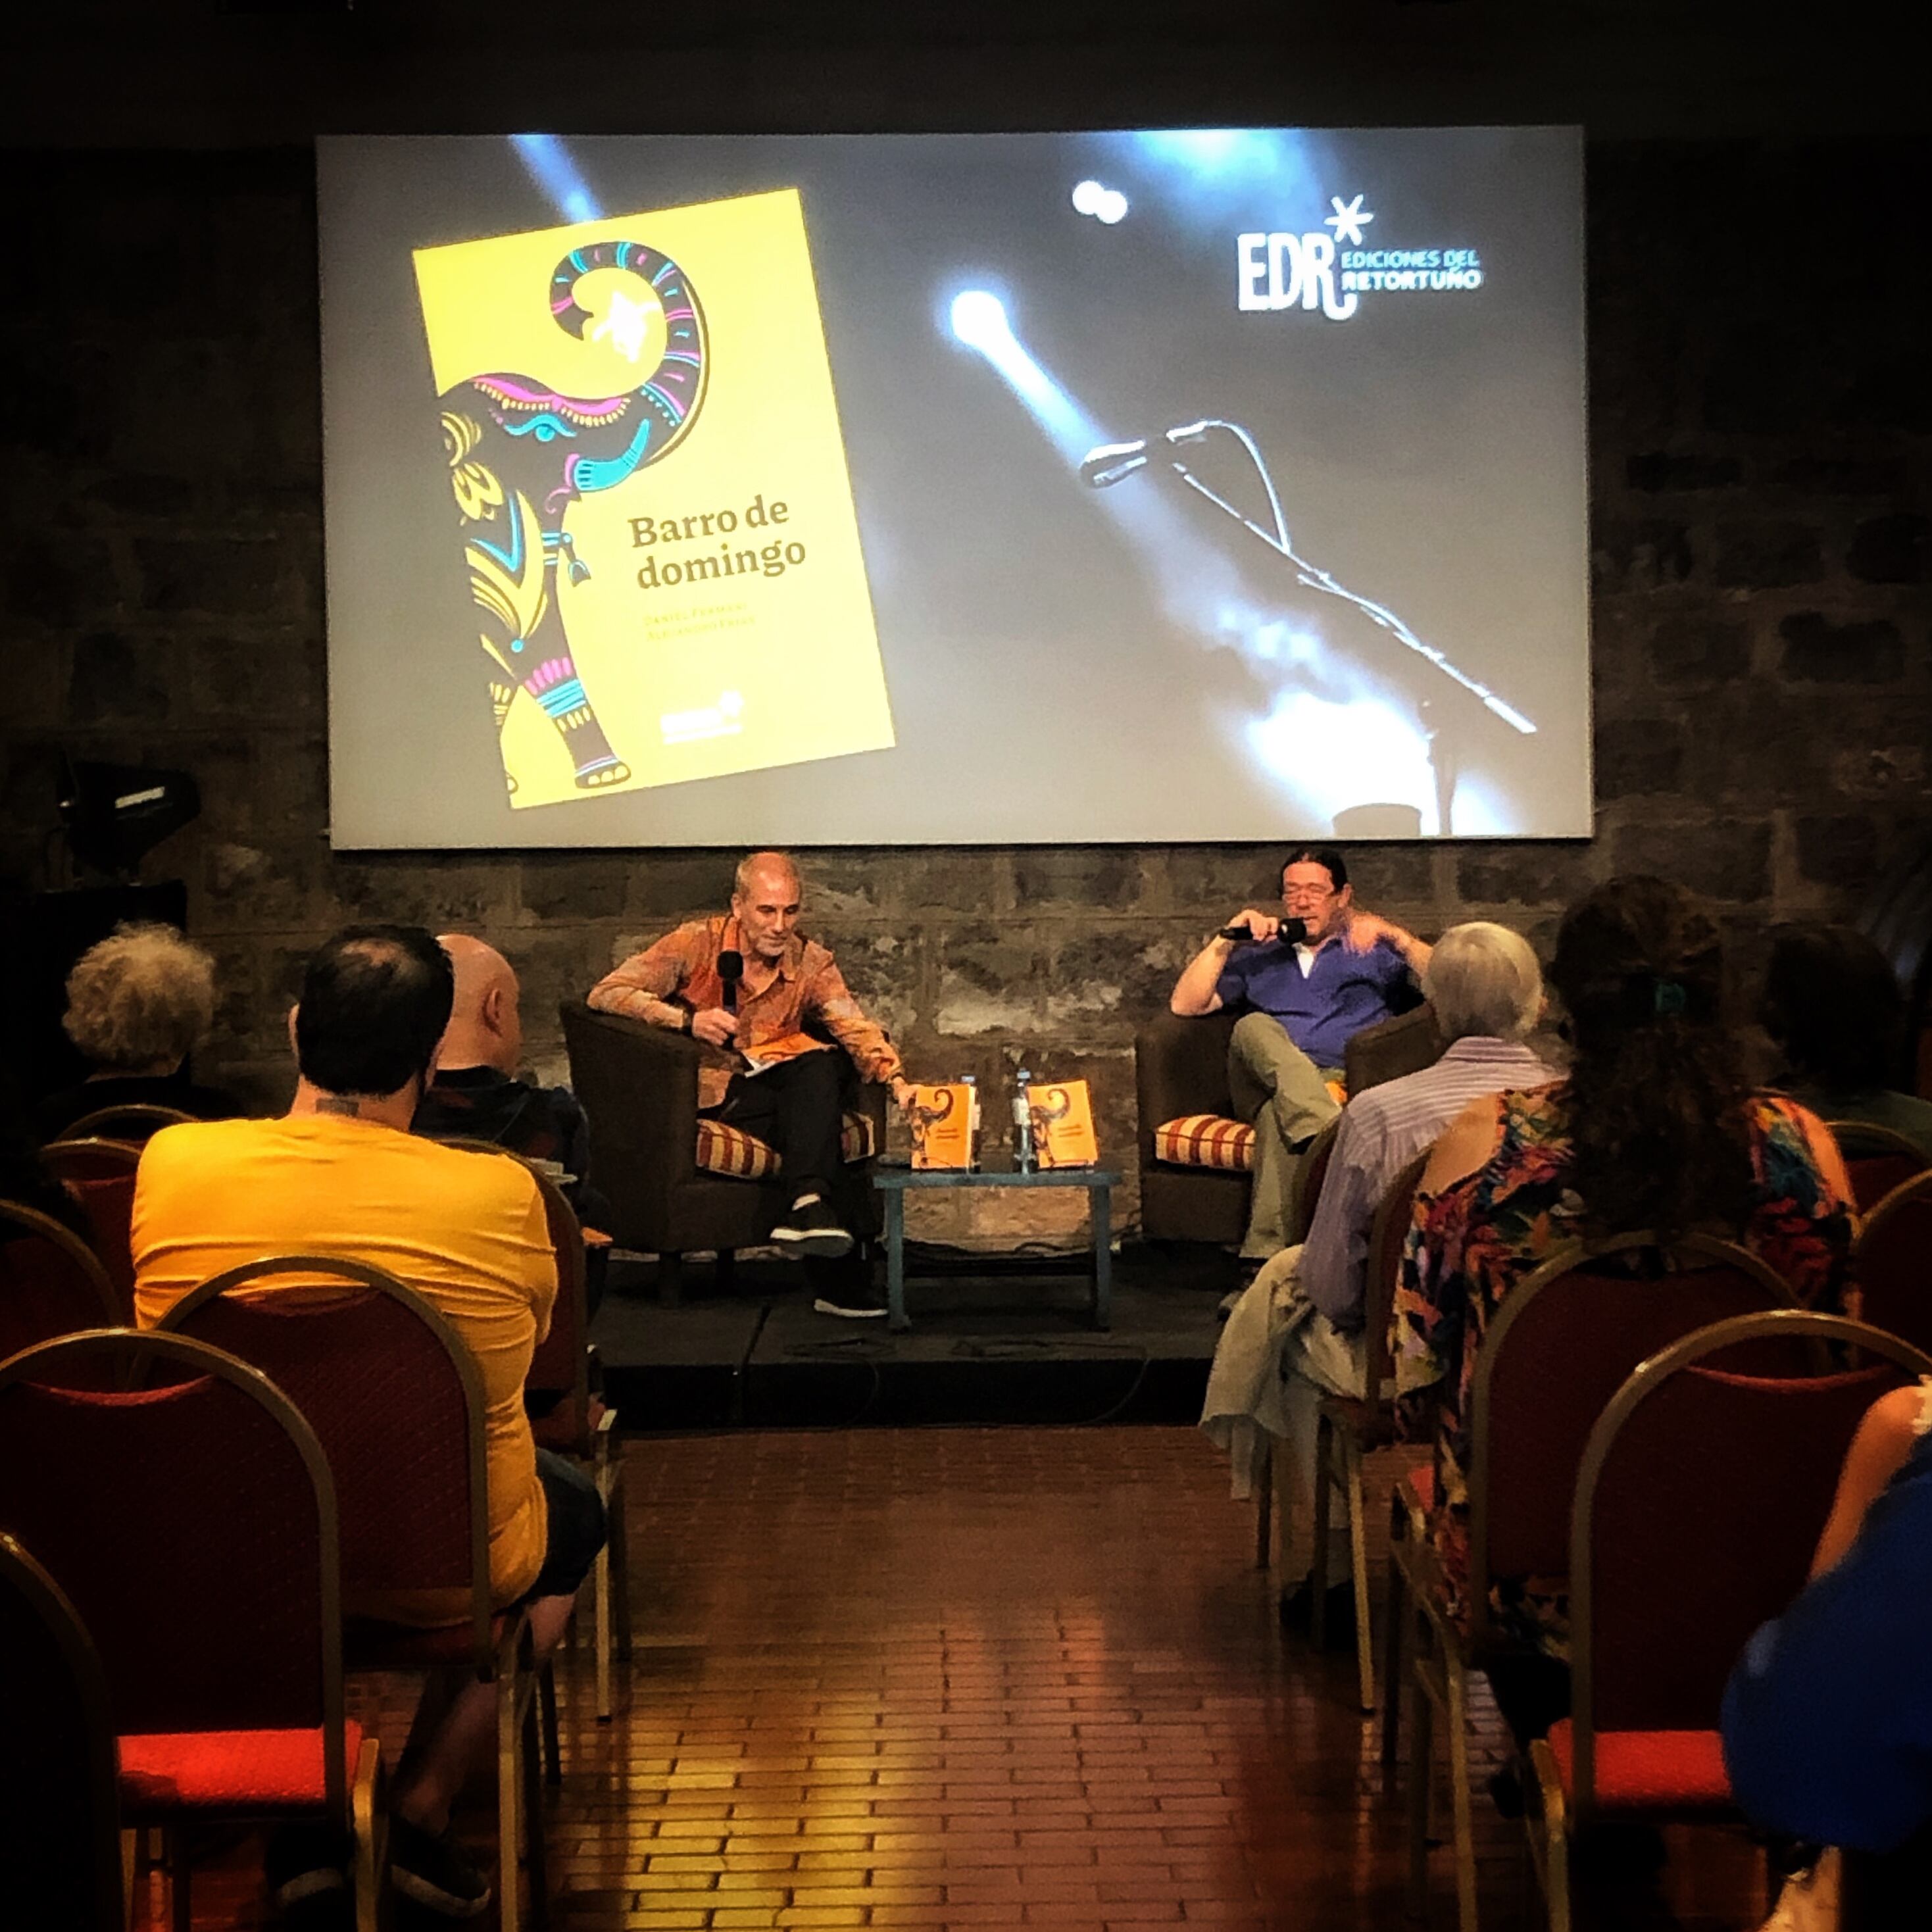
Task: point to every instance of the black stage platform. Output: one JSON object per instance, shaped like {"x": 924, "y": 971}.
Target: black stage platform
{"x": 993, "y": 1340}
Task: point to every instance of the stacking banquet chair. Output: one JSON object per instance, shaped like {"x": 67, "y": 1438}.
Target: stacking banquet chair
{"x": 134, "y": 1121}
{"x": 51, "y": 1281}
{"x": 397, "y": 1401}
{"x": 60, "y": 1810}
{"x": 1557, "y": 1351}
{"x": 93, "y": 1158}
{"x": 99, "y": 1174}
{"x": 1699, "y": 1502}
{"x": 1876, "y": 1159}
{"x": 565, "y": 1416}
{"x": 186, "y": 1511}
{"x": 1348, "y": 1427}
{"x": 1891, "y": 1274}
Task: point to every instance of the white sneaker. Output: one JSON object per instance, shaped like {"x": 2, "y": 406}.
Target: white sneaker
{"x": 811, "y": 1230}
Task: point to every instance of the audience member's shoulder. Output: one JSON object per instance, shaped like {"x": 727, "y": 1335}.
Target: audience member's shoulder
{"x": 480, "y": 1176}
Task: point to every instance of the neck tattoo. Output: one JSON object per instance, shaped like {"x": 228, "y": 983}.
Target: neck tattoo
{"x": 338, "y": 1103}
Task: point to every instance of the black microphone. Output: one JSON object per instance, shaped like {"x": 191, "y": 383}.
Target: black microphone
{"x": 730, "y": 969}
{"x": 1290, "y": 932}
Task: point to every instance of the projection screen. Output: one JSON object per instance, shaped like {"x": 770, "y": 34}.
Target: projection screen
{"x": 898, "y": 489}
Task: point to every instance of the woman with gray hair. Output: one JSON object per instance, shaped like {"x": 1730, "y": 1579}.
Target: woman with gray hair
{"x": 138, "y": 1004}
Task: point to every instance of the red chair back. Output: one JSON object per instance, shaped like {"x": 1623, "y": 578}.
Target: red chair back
{"x": 191, "y": 1523}
{"x": 136, "y": 1121}
{"x": 396, "y": 1400}
{"x": 1877, "y": 1159}
{"x": 51, "y": 1282}
{"x": 1891, "y": 1263}
{"x": 60, "y": 1807}
{"x": 1309, "y": 1176}
{"x": 1388, "y": 1235}
{"x": 72, "y": 1158}
{"x": 109, "y": 1204}
{"x": 1699, "y": 1503}
{"x": 1556, "y": 1352}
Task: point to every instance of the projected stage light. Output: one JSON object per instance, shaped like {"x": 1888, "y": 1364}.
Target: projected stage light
{"x": 1104, "y": 204}
{"x": 979, "y": 321}
{"x": 553, "y": 171}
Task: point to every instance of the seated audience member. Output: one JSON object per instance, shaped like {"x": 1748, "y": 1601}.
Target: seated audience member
{"x": 341, "y": 1174}
{"x": 1301, "y": 1004}
{"x": 1828, "y": 1716}
{"x": 1833, "y": 1005}
{"x": 763, "y": 1072}
{"x": 475, "y": 1093}
{"x": 1296, "y": 1332}
{"x": 138, "y": 1004}
{"x": 1654, "y": 1127}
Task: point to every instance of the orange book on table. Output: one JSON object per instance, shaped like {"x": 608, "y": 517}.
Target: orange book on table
{"x": 942, "y": 1125}
{"x": 1063, "y": 1124}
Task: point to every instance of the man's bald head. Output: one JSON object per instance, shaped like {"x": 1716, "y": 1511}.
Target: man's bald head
{"x": 766, "y": 902}
{"x": 486, "y": 1026}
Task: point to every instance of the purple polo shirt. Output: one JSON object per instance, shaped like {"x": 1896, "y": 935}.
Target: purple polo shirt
{"x": 1323, "y": 1010}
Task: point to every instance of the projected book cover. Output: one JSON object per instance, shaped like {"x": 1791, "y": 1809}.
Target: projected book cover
{"x": 651, "y": 499}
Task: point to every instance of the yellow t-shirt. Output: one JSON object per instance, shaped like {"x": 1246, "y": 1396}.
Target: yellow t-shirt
{"x": 468, "y": 1234}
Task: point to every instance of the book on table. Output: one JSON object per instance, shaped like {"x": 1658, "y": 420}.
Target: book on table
{"x": 1063, "y": 1124}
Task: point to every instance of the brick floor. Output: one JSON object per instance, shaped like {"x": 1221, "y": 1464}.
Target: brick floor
{"x": 967, "y": 1678}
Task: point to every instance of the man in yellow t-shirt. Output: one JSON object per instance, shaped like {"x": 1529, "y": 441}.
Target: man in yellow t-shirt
{"x": 341, "y": 1174}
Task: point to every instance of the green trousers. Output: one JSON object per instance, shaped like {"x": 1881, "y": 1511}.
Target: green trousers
{"x": 1277, "y": 1086}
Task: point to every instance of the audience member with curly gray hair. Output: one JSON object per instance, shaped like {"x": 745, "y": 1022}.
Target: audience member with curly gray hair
{"x": 138, "y": 1004}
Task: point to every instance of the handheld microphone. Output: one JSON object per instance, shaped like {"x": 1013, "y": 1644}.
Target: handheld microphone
{"x": 1290, "y": 932}
{"x": 730, "y": 969}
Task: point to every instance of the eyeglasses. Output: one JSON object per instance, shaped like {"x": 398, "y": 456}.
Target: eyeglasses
{"x": 1311, "y": 894}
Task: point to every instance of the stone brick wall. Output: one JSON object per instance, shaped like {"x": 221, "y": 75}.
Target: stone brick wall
{"x": 1760, "y": 414}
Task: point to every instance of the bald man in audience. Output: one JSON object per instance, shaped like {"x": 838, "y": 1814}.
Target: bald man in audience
{"x": 477, "y": 1092}
{"x": 1297, "y": 1333}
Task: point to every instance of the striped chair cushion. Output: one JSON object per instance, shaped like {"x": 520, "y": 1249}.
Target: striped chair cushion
{"x": 738, "y": 1155}
{"x": 1206, "y": 1140}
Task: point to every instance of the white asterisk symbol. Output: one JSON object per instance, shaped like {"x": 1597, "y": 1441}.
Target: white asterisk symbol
{"x": 1346, "y": 221}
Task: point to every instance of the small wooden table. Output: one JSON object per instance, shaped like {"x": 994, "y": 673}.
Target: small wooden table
{"x": 1099, "y": 1182}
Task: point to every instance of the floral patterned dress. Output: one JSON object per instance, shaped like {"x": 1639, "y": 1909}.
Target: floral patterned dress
{"x": 1470, "y": 1245}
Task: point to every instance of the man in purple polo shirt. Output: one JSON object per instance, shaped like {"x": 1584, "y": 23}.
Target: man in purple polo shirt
{"x": 1302, "y": 1004}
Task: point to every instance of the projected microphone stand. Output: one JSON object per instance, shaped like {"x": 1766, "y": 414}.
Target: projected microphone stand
{"x": 1444, "y": 762}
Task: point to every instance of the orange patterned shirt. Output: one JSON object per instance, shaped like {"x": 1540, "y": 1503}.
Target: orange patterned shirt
{"x": 678, "y": 975}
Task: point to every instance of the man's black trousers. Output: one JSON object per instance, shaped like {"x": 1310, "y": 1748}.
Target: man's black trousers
{"x": 793, "y": 1107}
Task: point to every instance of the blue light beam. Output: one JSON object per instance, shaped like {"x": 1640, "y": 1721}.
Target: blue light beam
{"x": 979, "y": 321}
{"x": 551, "y": 168}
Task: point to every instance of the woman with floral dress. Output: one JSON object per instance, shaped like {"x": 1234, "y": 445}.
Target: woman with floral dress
{"x": 1655, "y": 1126}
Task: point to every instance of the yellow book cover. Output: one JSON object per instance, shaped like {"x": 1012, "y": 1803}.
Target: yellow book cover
{"x": 942, "y": 1126}
{"x": 1063, "y": 1124}
{"x": 652, "y": 495}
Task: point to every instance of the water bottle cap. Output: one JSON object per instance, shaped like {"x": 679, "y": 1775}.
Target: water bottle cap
{"x": 1025, "y": 1075}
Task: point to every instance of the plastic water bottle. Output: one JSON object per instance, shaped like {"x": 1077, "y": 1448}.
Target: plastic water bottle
{"x": 1023, "y": 1123}
{"x": 971, "y": 1083}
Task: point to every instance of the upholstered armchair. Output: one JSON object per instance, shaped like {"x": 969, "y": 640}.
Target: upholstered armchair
{"x": 1194, "y": 1156}
{"x": 677, "y": 1183}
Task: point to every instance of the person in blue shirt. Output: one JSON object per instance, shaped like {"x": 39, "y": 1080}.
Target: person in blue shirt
{"x": 1828, "y": 1716}
{"x": 1301, "y": 1004}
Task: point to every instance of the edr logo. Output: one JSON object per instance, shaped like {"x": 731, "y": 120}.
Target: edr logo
{"x": 1277, "y": 272}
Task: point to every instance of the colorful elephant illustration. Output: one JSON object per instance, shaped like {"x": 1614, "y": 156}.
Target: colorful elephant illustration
{"x": 520, "y": 454}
